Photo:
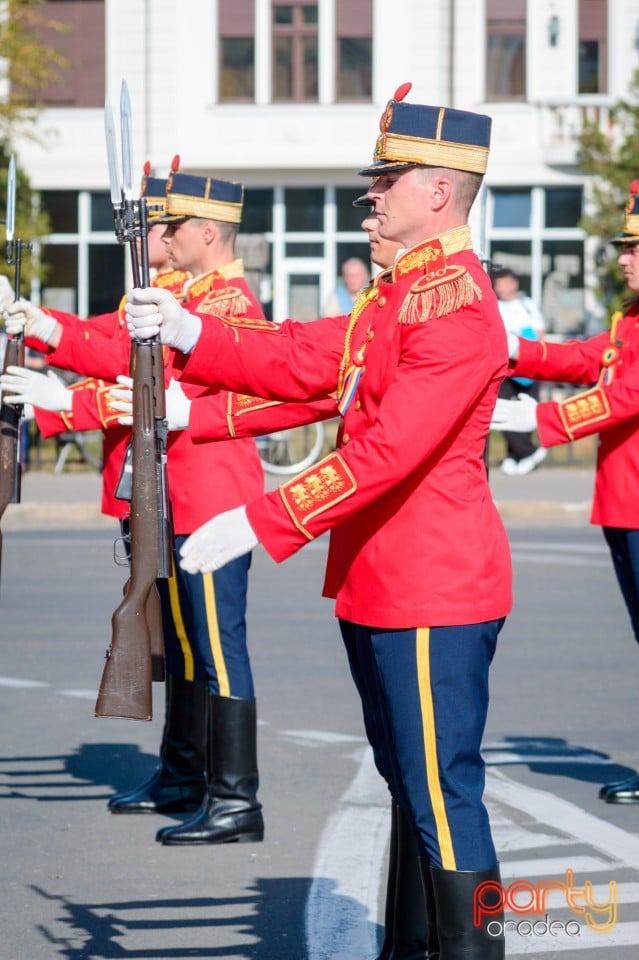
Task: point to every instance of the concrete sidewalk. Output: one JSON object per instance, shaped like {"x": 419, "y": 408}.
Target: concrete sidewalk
{"x": 548, "y": 495}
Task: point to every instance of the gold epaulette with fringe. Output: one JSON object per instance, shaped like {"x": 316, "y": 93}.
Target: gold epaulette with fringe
{"x": 438, "y": 294}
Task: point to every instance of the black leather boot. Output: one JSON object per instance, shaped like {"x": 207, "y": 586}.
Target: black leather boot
{"x": 410, "y": 931}
{"x": 178, "y": 784}
{"x": 459, "y": 938}
{"x": 625, "y": 792}
{"x": 230, "y": 811}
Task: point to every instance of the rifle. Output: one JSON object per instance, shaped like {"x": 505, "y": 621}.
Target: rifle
{"x": 10, "y": 416}
{"x": 125, "y": 688}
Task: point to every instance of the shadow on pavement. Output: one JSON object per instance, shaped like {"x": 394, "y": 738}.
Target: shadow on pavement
{"x": 555, "y": 756}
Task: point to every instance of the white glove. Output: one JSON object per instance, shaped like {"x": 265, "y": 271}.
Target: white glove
{"x": 7, "y": 295}
{"x": 513, "y": 345}
{"x": 152, "y": 310}
{"x": 44, "y": 390}
{"x": 515, "y": 416}
{"x": 178, "y": 405}
{"x": 24, "y": 317}
{"x": 224, "y": 538}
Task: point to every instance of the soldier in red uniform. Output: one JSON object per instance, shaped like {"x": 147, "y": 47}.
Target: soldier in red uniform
{"x": 178, "y": 783}
{"x": 610, "y": 408}
{"x": 418, "y": 560}
{"x": 203, "y": 615}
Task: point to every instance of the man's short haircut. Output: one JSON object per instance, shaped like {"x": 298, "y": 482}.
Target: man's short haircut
{"x": 502, "y": 272}
{"x": 466, "y": 185}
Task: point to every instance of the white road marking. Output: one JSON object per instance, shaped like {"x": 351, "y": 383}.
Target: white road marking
{"x": 343, "y": 904}
{"x": 19, "y": 683}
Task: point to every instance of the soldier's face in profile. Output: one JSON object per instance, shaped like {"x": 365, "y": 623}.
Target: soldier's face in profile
{"x": 182, "y": 242}
{"x": 401, "y": 205}
{"x": 383, "y": 252}
{"x": 629, "y": 260}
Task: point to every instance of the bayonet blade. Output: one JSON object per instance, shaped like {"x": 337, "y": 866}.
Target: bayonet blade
{"x": 127, "y": 142}
{"x": 11, "y": 199}
{"x": 112, "y": 154}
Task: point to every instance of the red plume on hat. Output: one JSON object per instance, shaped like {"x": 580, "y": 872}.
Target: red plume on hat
{"x": 175, "y": 163}
{"x": 402, "y": 91}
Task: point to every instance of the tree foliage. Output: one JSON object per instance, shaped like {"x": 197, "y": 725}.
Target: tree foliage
{"x": 28, "y": 63}
{"x": 27, "y": 66}
{"x": 612, "y": 157}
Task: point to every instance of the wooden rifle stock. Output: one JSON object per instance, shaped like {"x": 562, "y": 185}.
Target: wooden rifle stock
{"x": 10, "y": 466}
{"x": 125, "y": 688}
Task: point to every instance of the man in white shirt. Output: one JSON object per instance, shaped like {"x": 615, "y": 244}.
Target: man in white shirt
{"x": 522, "y": 317}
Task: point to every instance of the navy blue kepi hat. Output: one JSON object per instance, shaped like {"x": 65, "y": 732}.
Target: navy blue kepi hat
{"x": 188, "y": 195}
{"x": 414, "y": 134}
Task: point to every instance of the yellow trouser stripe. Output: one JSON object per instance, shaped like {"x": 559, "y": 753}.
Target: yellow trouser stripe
{"x": 214, "y": 635}
{"x": 430, "y": 749}
{"x": 178, "y": 623}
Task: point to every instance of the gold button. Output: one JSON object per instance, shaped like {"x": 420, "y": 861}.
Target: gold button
{"x": 381, "y": 302}
{"x": 358, "y": 405}
{"x": 345, "y": 438}
{"x": 370, "y": 334}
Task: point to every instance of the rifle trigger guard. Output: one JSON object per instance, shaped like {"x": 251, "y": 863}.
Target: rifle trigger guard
{"x": 123, "y": 542}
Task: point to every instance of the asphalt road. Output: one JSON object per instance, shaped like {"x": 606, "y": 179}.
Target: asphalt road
{"x": 79, "y": 883}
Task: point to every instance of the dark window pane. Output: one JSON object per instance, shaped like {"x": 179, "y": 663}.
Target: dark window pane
{"x": 283, "y": 14}
{"x": 589, "y": 66}
{"x": 309, "y": 46}
{"x": 237, "y": 77}
{"x": 563, "y": 206}
{"x": 62, "y": 207}
{"x": 101, "y": 211}
{"x": 257, "y": 212}
{"x": 304, "y": 209}
{"x": 283, "y": 67}
{"x": 563, "y": 286}
{"x": 355, "y": 58}
{"x": 59, "y": 290}
{"x": 511, "y": 208}
{"x": 345, "y": 251}
{"x": 505, "y": 66}
{"x": 348, "y": 216}
{"x": 309, "y": 13}
{"x": 514, "y": 255}
{"x": 304, "y": 249}
{"x": 106, "y": 277}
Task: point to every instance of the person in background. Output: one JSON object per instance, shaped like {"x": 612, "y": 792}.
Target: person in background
{"x": 610, "y": 360}
{"x": 522, "y": 318}
{"x": 355, "y": 276}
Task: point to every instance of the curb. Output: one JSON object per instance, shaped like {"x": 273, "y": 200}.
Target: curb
{"x": 60, "y": 516}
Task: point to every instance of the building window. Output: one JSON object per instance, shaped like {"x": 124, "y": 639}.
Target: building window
{"x": 505, "y": 49}
{"x": 534, "y": 232}
{"x": 295, "y": 51}
{"x": 593, "y": 34}
{"x": 84, "y": 264}
{"x": 354, "y": 27}
{"x": 237, "y": 49}
{"x": 81, "y": 43}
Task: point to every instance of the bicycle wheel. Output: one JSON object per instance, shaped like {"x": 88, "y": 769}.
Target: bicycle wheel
{"x": 290, "y": 451}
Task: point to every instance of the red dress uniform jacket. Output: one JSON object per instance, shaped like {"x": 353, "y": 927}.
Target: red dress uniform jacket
{"x": 204, "y": 479}
{"x": 91, "y": 411}
{"x": 91, "y": 408}
{"x": 245, "y": 416}
{"x": 416, "y": 539}
{"x": 610, "y": 408}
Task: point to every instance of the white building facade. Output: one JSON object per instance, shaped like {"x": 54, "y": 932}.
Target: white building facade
{"x": 286, "y": 97}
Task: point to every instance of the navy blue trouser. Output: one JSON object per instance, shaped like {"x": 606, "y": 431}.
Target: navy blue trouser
{"x": 624, "y": 550}
{"x": 424, "y": 696}
{"x": 204, "y": 621}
